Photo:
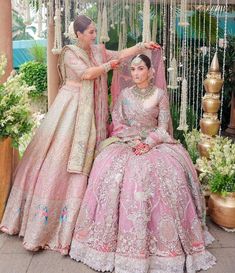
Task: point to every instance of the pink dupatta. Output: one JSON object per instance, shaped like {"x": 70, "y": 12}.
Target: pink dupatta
{"x": 122, "y": 78}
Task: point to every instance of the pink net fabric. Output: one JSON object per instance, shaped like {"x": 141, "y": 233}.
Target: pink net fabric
{"x": 122, "y": 77}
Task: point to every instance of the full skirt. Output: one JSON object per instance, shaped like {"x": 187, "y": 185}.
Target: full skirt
{"x": 143, "y": 214}
{"x": 45, "y": 199}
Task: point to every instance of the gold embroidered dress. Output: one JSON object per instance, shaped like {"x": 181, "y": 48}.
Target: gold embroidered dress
{"x": 51, "y": 178}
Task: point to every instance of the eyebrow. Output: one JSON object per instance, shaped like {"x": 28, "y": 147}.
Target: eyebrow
{"x": 137, "y": 66}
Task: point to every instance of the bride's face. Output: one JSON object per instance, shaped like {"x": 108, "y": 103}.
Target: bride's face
{"x": 139, "y": 72}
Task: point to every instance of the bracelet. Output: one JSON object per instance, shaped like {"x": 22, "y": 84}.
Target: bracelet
{"x": 107, "y": 67}
{"x": 140, "y": 45}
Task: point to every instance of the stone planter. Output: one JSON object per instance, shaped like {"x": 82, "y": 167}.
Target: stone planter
{"x": 222, "y": 209}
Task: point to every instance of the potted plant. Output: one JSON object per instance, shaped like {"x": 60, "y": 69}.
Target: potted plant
{"x": 219, "y": 170}
{"x": 15, "y": 115}
{"x": 15, "y": 122}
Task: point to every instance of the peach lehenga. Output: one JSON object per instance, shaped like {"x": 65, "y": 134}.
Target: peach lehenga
{"x": 45, "y": 198}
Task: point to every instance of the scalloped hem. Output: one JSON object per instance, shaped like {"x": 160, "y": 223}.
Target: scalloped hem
{"x": 30, "y": 247}
{"x": 62, "y": 250}
{"x": 107, "y": 261}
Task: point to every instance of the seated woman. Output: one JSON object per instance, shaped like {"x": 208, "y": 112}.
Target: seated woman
{"x": 143, "y": 210}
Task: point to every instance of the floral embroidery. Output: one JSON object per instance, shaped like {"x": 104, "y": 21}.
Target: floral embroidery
{"x": 42, "y": 213}
{"x": 64, "y": 214}
{"x": 142, "y": 214}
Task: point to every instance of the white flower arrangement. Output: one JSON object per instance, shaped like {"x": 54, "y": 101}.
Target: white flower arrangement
{"x": 219, "y": 170}
{"x": 192, "y": 139}
{"x": 15, "y": 116}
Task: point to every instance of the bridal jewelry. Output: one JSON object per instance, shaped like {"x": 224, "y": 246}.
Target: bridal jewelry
{"x": 143, "y": 93}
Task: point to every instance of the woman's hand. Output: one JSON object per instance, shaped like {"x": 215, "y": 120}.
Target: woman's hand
{"x": 152, "y": 45}
{"x": 141, "y": 148}
{"x": 114, "y": 64}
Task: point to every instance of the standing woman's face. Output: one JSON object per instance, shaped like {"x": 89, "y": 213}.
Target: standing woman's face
{"x": 139, "y": 72}
{"x": 88, "y": 37}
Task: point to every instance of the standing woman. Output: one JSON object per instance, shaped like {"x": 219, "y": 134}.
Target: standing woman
{"x": 51, "y": 178}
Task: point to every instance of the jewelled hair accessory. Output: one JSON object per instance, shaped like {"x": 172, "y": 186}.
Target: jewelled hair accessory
{"x": 136, "y": 60}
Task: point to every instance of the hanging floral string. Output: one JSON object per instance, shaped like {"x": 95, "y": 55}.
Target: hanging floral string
{"x": 224, "y": 59}
{"x": 184, "y": 92}
{"x": 198, "y": 95}
{"x": 209, "y": 42}
{"x": 104, "y": 36}
{"x": 39, "y": 30}
{"x": 190, "y": 55}
{"x": 194, "y": 62}
{"x": 183, "y": 14}
{"x": 99, "y": 22}
{"x": 217, "y": 25}
{"x": 146, "y": 35}
{"x": 58, "y": 37}
{"x": 67, "y": 16}
{"x": 203, "y": 52}
{"x": 27, "y": 20}
{"x": 160, "y": 22}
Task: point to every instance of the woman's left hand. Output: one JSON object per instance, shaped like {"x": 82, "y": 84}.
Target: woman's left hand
{"x": 141, "y": 148}
{"x": 152, "y": 45}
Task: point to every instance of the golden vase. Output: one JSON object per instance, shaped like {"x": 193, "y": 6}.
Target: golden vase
{"x": 203, "y": 147}
{"x": 222, "y": 209}
{"x": 209, "y": 126}
{"x": 211, "y": 105}
{"x": 213, "y": 85}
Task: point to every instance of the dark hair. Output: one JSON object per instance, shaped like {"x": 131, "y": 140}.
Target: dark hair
{"x": 81, "y": 23}
{"x": 144, "y": 58}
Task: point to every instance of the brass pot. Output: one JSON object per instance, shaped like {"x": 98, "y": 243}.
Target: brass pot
{"x": 211, "y": 105}
{"x": 5, "y": 172}
{"x": 203, "y": 147}
{"x": 222, "y": 209}
{"x": 213, "y": 85}
{"x": 209, "y": 126}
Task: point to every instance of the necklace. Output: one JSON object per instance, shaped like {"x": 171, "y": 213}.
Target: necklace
{"x": 143, "y": 93}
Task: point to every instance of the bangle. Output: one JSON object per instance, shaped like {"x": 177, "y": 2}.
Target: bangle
{"x": 107, "y": 67}
{"x": 140, "y": 45}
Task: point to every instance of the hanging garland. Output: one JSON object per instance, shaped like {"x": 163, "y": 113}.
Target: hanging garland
{"x": 184, "y": 92}
{"x": 198, "y": 95}
{"x": 194, "y": 64}
{"x": 58, "y": 37}
{"x": 209, "y": 42}
{"x": 203, "y": 52}
{"x": 224, "y": 59}
{"x": 146, "y": 35}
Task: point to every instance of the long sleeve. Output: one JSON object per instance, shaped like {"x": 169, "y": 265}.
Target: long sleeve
{"x": 160, "y": 134}
{"x": 111, "y": 54}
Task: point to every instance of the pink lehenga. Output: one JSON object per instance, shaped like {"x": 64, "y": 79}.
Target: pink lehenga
{"x": 142, "y": 214}
{"x": 48, "y": 188}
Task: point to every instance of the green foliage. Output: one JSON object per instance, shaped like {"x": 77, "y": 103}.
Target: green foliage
{"x": 222, "y": 183}
{"x": 219, "y": 170}
{"x": 192, "y": 139}
{"x": 35, "y": 74}
{"x": 15, "y": 116}
{"x": 39, "y": 53}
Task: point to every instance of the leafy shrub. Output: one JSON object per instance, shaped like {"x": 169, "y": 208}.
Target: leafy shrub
{"x": 35, "y": 74}
{"x": 15, "y": 116}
